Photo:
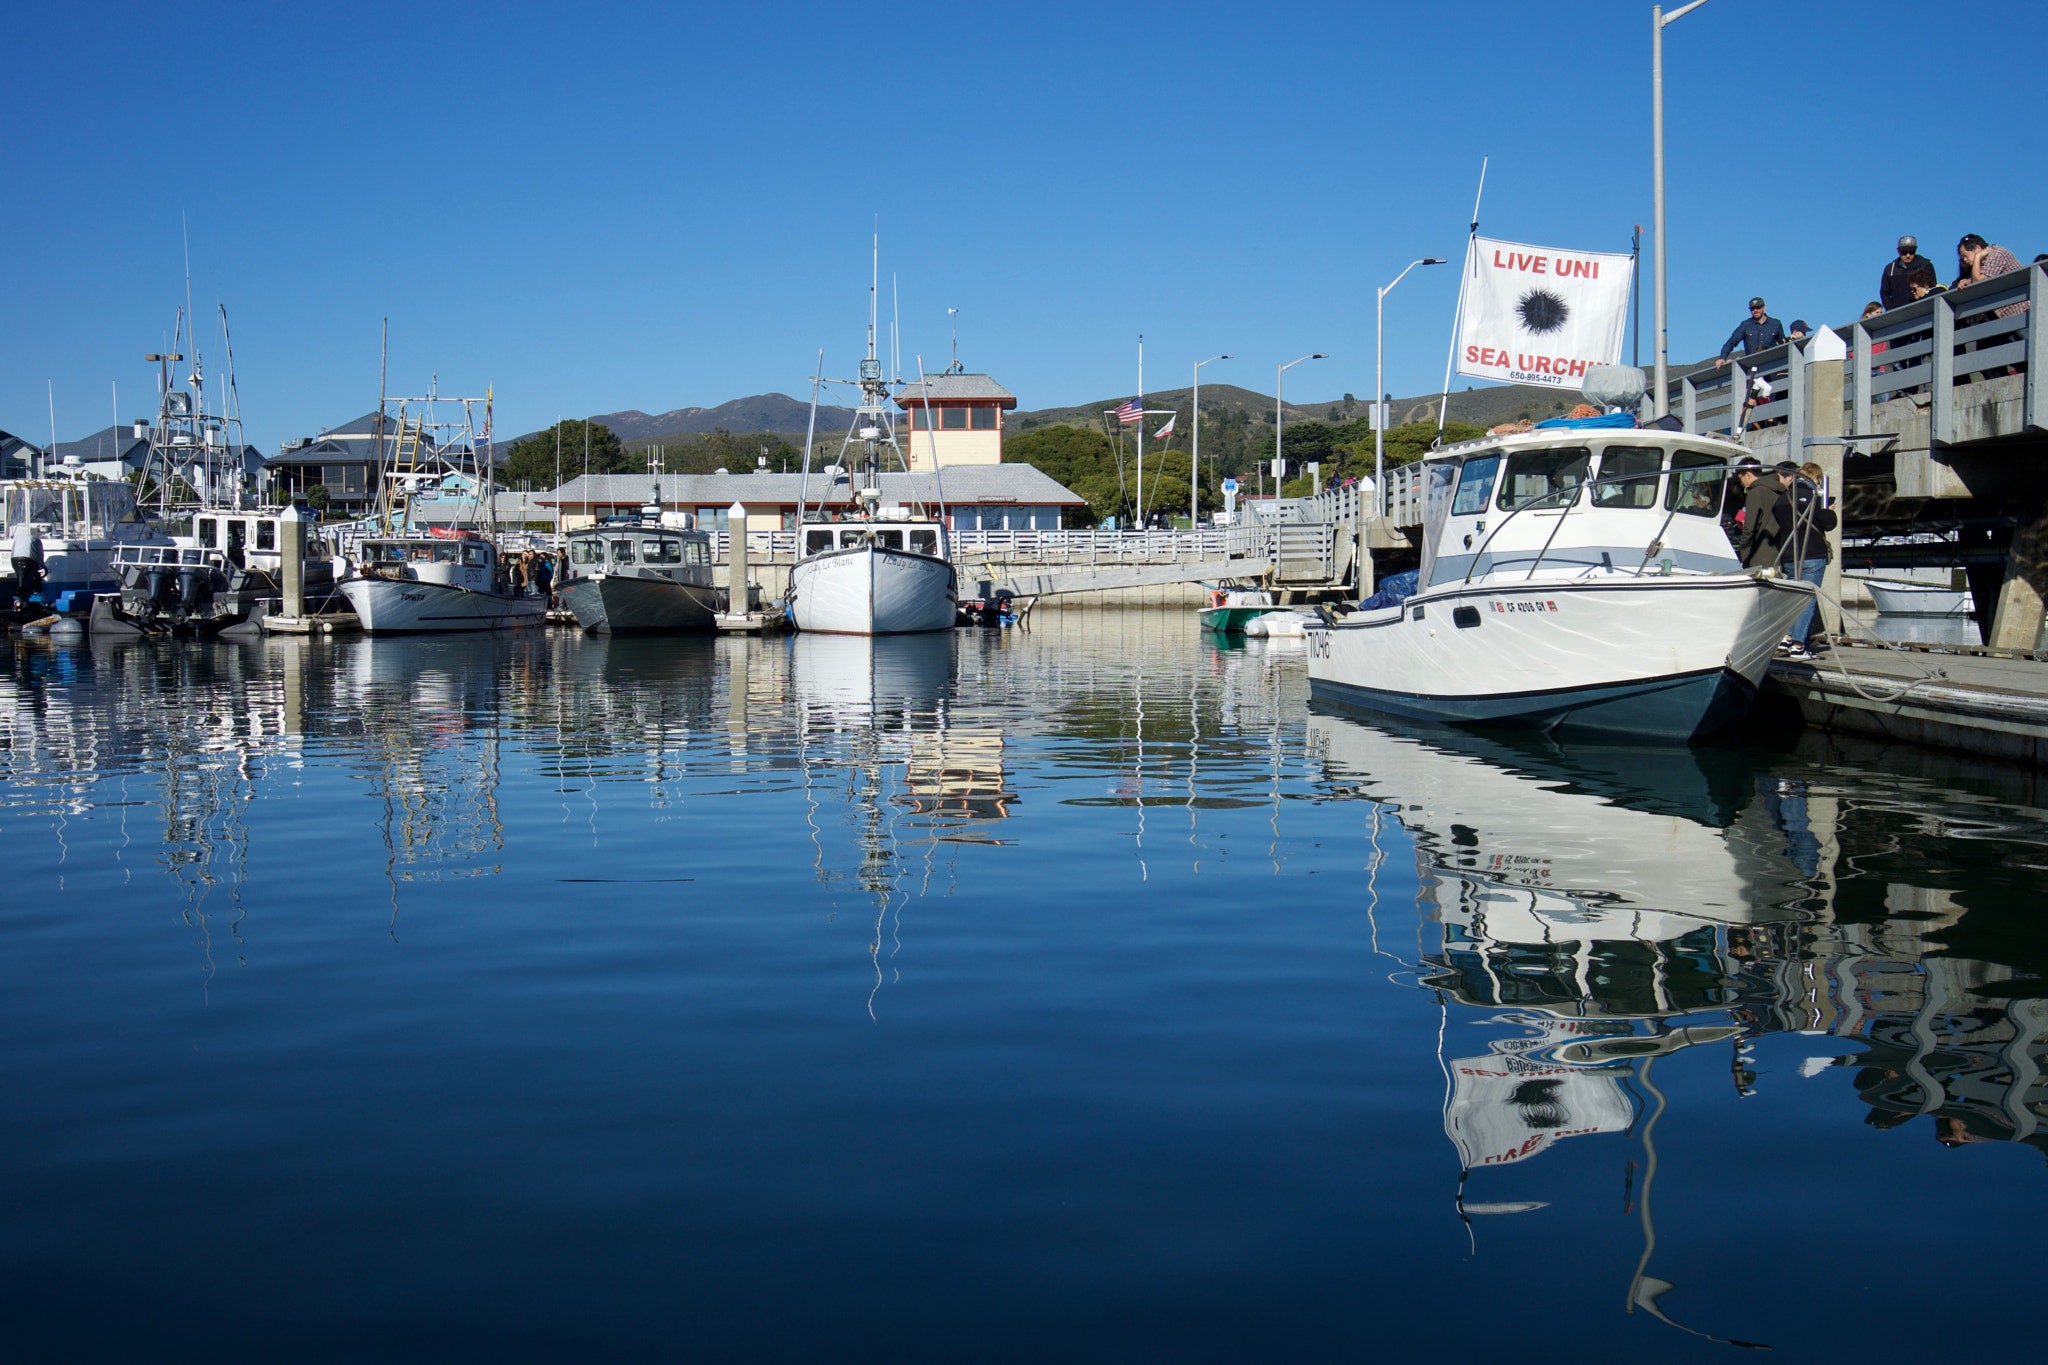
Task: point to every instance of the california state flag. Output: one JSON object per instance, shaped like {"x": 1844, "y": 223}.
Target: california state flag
{"x": 1166, "y": 430}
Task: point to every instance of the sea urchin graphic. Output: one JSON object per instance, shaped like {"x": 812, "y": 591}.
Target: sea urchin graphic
{"x": 1542, "y": 311}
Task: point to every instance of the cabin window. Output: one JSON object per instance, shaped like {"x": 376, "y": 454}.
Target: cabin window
{"x": 697, "y": 552}
{"x": 586, "y": 552}
{"x": 953, "y": 419}
{"x": 889, "y": 540}
{"x": 985, "y": 419}
{"x": 925, "y": 542}
{"x": 445, "y": 554}
{"x": 1475, "y": 486}
{"x": 815, "y": 541}
{"x": 476, "y": 556}
{"x": 662, "y": 551}
{"x": 1695, "y": 484}
{"x": 1643, "y": 461}
{"x": 1534, "y": 474}
{"x": 266, "y": 535}
{"x": 622, "y": 552}
{"x": 208, "y": 533}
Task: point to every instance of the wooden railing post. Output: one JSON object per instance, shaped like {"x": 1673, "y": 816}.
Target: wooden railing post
{"x": 1941, "y": 414}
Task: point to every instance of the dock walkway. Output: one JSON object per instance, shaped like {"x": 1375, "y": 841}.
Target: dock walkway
{"x": 1989, "y": 702}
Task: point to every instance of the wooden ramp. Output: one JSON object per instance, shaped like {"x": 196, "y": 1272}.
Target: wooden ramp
{"x": 1993, "y": 703}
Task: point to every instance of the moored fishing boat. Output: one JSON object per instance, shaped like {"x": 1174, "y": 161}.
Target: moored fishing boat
{"x": 1230, "y": 608}
{"x": 448, "y": 582}
{"x": 1898, "y": 597}
{"x": 650, "y": 572}
{"x": 1572, "y": 579}
{"x": 889, "y": 571}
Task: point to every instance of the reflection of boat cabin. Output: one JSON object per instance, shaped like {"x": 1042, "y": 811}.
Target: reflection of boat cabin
{"x": 953, "y": 419}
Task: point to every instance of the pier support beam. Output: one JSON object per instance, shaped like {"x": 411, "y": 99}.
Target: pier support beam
{"x": 2017, "y": 622}
{"x": 1827, "y": 354}
{"x": 736, "y": 596}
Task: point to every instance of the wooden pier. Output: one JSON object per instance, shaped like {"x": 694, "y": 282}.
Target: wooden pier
{"x": 1991, "y": 702}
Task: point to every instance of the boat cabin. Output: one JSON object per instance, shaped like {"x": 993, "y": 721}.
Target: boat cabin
{"x": 83, "y": 509}
{"x": 248, "y": 539}
{"x": 454, "y": 562}
{"x": 637, "y": 548}
{"x": 920, "y": 538}
{"x": 1572, "y": 501}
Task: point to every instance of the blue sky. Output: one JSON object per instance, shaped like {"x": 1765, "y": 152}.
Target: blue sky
{"x": 597, "y": 206}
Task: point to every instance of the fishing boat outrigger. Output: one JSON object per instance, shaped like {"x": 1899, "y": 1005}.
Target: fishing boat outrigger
{"x": 1576, "y": 579}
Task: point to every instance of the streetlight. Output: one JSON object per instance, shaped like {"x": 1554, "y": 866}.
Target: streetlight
{"x": 1195, "y": 461}
{"x": 1658, "y": 19}
{"x": 1379, "y": 389}
{"x": 1280, "y": 416}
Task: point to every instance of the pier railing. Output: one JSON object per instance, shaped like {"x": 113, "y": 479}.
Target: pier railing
{"x": 1081, "y": 547}
{"x": 1927, "y": 349}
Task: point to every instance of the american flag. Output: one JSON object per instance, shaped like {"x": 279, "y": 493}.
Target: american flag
{"x": 1130, "y": 412}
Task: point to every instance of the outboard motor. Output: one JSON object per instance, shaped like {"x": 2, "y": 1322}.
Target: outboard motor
{"x": 194, "y": 586}
{"x": 163, "y": 585}
{"x": 28, "y": 563}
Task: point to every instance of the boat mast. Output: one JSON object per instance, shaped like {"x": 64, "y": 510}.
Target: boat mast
{"x": 873, "y": 424}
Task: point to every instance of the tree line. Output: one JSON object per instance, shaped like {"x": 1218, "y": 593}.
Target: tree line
{"x": 534, "y": 463}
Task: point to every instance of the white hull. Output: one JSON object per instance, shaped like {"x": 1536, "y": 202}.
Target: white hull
{"x": 871, "y": 590}
{"x": 392, "y": 606}
{"x": 1916, "y": 599}
{"x": 1663, "y": 657}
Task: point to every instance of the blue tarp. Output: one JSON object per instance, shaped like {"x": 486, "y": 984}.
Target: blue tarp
{"x": 1612, "y": 419}
{"x": 1394, "y": 590}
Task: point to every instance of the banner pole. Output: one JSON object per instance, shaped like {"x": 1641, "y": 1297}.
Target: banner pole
{"x": 1457, "y": 318}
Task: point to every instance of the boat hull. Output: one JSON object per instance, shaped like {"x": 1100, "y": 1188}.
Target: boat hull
{"x": 872, "y": 590}
{"x": 1902, "y": 599}
{"x": 1231, "y": 620}
{"x": 625, "y": 604}
{"x": 1626, "y": 658}
{"x": 407, "y": 607}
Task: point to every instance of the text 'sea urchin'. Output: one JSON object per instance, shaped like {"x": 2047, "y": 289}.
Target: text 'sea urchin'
{"x": 1542, "y": 312}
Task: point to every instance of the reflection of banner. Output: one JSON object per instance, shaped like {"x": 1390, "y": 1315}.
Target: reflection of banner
{"x": 1536, "y": 316}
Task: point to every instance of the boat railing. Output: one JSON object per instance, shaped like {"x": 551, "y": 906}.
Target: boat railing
{"x": 1055, "y": 547}
{"x": 1567, "y": 498}
{"x": 179, "y": 556}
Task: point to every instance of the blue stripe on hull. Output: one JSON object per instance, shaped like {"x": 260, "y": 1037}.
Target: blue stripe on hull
{"x": 1677, "y": 707}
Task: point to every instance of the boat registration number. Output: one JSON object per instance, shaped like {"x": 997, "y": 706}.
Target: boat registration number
{"x": 1525, "y": 604}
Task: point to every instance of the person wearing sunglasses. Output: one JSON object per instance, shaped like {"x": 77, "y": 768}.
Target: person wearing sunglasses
{"x": 1757, "y": 332}
{"x": 1894, "y": 287}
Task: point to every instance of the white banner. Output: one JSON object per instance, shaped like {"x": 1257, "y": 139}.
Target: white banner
{"x": 1537, "y": 316}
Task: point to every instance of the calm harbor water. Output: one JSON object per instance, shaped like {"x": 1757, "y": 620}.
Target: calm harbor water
{"x": 1081, "y": 993}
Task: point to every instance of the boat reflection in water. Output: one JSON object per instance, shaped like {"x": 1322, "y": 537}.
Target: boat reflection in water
{"x": 920, "y": 769}
{"x": 1616, "y": 905}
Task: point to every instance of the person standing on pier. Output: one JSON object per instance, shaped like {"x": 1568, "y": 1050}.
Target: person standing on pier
{"x": 543, "y": 572}
{"x": 1805, "y": 516}
{"x": 1757, "y": 332}
{"x": 1762, "y": 537}
{"x": 1894, "y": 286}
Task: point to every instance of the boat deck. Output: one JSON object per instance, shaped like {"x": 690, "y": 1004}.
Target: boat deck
{"x": 1982, "y": 701}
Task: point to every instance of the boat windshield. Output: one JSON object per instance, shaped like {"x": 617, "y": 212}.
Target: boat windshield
{"x": 1475, "y": 486}
{"x": 1615, "y": 461}
{"x": 586, "y": 551}
{"x": 622, "y": 552}
{"x": 925, "y": 542}
{"x": 662, "y": 551}
{"x": 1538, "y": 473}
{"x": 1695, "y": 484}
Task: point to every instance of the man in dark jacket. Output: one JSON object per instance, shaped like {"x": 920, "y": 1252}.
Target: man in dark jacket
{"x": 1759, "y": 331}
{"x": 1762, "y": 536}
{"x": 1894, "y": 289}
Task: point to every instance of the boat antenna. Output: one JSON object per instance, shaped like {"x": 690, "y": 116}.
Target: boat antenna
{"x": 954, "y": 314}
{"x": 1458, "y": 314}
{"x": 377, "y": 437}
{"x": 895, "y": 329}
{"x": 803, "y": 482}
{"x": 231, "y": 409}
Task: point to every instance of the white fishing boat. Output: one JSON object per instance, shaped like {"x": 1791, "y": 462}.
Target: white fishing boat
{"x": 411, "y": 585}
{"x": 889, "y": 571}
{"x": 65, "y": 533}
{"x": 645, "y": 573}
{"x": 1902, "y": 597}
{"x": 420, "y": 578}
{"x": 1576, "y": 579}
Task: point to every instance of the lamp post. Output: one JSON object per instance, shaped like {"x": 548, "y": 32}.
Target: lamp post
{"x": 1658, "y": 19}
{"x": 1280, "y": 416}
{"x": 1195, "y": 460}
{"x": 1379, "y": 389}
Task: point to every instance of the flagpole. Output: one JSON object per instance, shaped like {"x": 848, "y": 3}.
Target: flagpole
{"x": 1458, "y": 318}
{"x": 1141, "y": 431}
